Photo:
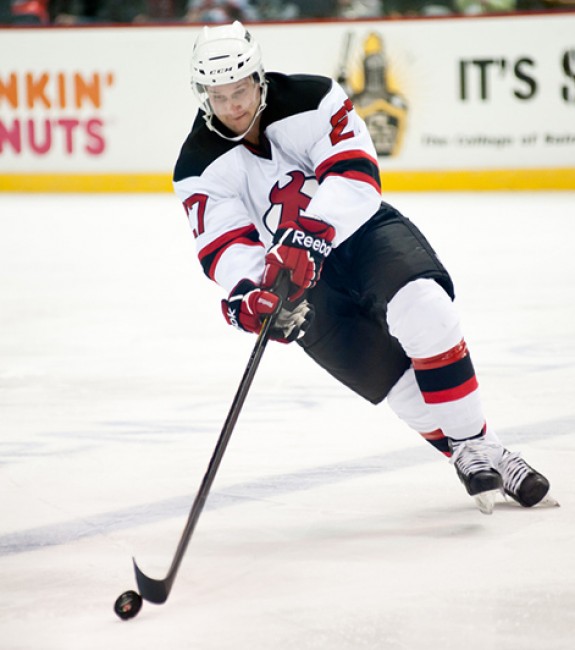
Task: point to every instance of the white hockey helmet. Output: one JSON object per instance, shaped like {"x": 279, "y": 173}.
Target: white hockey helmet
{"x": 222, "y": 55}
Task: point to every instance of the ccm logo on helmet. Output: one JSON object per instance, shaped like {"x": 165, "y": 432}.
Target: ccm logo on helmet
{"x": 222, "y": 70}
{"x": 307, "y": 241}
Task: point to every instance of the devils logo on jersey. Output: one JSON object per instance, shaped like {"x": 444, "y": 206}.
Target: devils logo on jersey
{"x": 289, "y": 200}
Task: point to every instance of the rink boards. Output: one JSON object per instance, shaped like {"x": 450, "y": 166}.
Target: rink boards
{"x": 454, "y": 103}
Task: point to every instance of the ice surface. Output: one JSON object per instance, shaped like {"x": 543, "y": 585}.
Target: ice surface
{"x": 330, "y": 525}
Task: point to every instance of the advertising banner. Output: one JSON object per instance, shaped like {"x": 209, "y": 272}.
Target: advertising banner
{"x": 451, "y": 103}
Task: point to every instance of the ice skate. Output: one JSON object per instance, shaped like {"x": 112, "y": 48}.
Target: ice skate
{"x": 521, "y": 482}
{"x": 475, "y": 470}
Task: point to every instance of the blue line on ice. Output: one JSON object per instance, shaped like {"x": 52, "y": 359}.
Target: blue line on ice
{"x": 34, "y": 539}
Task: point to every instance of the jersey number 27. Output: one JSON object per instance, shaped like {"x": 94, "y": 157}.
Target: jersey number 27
{"x": 197, "y": 201}
{"x": 339, "y": 121}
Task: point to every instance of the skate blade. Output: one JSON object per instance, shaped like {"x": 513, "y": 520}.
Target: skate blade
{"x": 548, "y": 502}
{"x": 485, "y": 501}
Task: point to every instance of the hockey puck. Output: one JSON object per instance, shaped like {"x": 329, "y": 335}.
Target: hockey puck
{"x": 128, "y": 605}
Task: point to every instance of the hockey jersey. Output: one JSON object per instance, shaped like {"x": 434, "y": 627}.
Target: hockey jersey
{"x": 315, "y": 158}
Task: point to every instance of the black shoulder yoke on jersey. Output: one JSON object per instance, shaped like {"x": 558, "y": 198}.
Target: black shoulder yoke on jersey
{"x": 287, "y": 95}
{"x": 201, "y": 148}
{"x": 293, "y": 94}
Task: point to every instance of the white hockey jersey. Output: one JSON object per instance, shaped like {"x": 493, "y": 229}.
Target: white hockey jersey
{"x": 315, "y": 158}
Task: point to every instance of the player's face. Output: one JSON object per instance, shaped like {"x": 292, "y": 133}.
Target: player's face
{"x": 235, "y": 104}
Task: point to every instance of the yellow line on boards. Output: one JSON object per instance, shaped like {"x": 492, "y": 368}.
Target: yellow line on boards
{"x": 392, "y": 181}
{"x": 472, "y": 180}
{"x": 85, "y": 183}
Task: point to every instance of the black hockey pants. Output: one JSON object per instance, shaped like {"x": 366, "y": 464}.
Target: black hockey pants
{"x": 349, "y": 336}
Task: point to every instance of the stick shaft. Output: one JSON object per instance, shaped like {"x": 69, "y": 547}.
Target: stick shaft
{"x": 157, "y": 591}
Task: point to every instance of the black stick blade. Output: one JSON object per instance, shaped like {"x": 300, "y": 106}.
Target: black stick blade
{"x": 154, "y": 591}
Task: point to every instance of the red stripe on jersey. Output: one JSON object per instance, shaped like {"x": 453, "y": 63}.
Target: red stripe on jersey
{"x": 452, "y": 355}
{"x": 353, "y": 154}
{"x": 357, "y": 176}
{"x": 451, "y": 394}
{"x": 217, "y": 257}
{"x": 211, "y": 254}
{"x": 223, "y": 241}
{"x": 344, "y": 155}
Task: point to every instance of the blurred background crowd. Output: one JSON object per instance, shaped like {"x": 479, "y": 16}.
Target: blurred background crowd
{"x": 74, "y": 12}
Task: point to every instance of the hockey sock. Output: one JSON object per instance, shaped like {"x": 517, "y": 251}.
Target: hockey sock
{"x": 438, "y": 440}
{"x": 424, "y": 320}
{"x": 449, "y": 388}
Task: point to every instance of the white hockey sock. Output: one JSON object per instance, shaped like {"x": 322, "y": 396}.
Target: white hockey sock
{"x": 424, "y": 320}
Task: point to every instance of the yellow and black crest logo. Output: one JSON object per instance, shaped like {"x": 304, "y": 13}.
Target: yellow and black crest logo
{"x": 369, "y": 83}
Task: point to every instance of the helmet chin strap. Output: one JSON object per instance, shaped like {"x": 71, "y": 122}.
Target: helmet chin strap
{"x": 237, "y": 138}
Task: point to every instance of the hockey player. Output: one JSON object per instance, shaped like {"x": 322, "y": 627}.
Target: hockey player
{"x": 280, "y": 177}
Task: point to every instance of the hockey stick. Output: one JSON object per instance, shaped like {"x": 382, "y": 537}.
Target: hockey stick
{"x": 342, "y": 76}
{"x": 157, "y": 591}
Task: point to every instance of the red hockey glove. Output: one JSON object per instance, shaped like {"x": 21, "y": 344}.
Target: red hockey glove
{"x": 299, "y": 248}
{"x": 247, "y": 305}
